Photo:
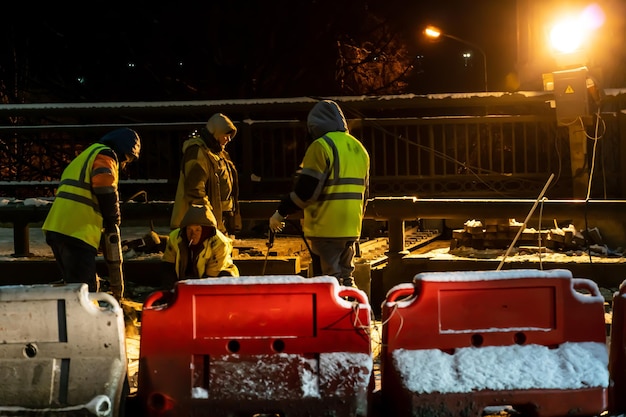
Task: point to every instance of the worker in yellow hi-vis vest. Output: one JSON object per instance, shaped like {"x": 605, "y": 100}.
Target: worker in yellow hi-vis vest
{"x": 332, "y": 190}
{"x": 86, "y": 204}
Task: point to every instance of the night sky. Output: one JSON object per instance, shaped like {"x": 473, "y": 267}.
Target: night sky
{"x": 246, "y": 49}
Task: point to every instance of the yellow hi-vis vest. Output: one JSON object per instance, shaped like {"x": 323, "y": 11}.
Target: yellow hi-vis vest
{"x": 207, "y": 259}
{"x": 75, "y": 211}
{"x": 338, "y": 210}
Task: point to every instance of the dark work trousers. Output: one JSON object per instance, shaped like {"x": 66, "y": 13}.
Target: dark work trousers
{"x": 333, "y": 257}
{"x": 75, "y": 258}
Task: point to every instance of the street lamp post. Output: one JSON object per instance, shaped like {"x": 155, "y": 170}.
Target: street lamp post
{"x": 434, "y": 33}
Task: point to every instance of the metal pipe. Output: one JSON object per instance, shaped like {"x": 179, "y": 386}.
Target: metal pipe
{"x": 407, "y": 208}
{"x": 379, "y": 208}
{"x": 591, "y": 212}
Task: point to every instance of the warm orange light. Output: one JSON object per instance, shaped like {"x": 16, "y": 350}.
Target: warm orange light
{"x": 572, "y": 32}
{"x": 432, "y": 32}
{"x": 567, "y": 35}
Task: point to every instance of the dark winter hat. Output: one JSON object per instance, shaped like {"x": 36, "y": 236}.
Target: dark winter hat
{"x": 124, "y": 142}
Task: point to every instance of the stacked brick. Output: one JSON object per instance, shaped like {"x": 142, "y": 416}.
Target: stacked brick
{"x": 500, "y": 233}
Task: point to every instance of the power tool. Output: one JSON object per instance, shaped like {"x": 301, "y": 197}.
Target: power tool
{"x": 113, "y": 257}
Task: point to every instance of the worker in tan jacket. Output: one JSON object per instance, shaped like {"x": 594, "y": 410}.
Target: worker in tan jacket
{"x": 208, "y": 176}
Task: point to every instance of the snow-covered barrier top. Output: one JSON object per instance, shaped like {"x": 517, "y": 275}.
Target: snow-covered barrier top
{"x": 457, "y": 341}
{"x": 617, "y": 353}
{"x": 255, "y": 345}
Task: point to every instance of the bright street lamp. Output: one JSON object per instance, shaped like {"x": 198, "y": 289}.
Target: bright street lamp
{"x": 434, "y": 33}
{"x": 570, "y": 37}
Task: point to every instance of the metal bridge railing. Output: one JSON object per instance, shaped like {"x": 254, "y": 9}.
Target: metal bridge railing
{"x": 440, "y": 155}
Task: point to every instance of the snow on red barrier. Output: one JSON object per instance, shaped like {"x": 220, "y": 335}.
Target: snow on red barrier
{"x": 282, "y": 345}
{"x": 617, "y": 353}
{"x": 456, "y": 343}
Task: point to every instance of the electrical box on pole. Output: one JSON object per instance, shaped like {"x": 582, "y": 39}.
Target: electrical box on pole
{"x": 571, "y": 96}
{"x": 572, "y": 110}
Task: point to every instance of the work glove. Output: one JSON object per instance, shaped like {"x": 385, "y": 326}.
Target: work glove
{"x": 276, "y": 222}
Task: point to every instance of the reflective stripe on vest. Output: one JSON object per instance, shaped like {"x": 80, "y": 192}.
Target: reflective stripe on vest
{"x": 75, "y": 211}
{"x": 338, "y": 211}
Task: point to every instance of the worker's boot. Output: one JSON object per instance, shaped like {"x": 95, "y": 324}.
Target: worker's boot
{"x": 347, "y": 282}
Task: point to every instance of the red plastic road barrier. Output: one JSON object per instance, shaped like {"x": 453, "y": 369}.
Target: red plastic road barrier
{"x": 455, "y": 343}
{"x": 617, "y": 353}
{"x": 282, "y": 345}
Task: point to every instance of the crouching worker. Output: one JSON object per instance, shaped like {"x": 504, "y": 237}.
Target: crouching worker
{"x": 197, "y": 249}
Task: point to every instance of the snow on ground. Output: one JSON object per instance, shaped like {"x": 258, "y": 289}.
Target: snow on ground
{"x": 518, "y": 255}
{"x": 39, "y": 248}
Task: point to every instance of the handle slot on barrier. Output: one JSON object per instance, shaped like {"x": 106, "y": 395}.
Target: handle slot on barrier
{"x": 104, "y": 301}
{"x": 158, "y": 299}
{"x": 586, "y": 285}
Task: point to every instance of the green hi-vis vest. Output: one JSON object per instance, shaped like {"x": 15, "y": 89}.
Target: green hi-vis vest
{"x": 75, "y": 211}
{"x": 338, "y": 211}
